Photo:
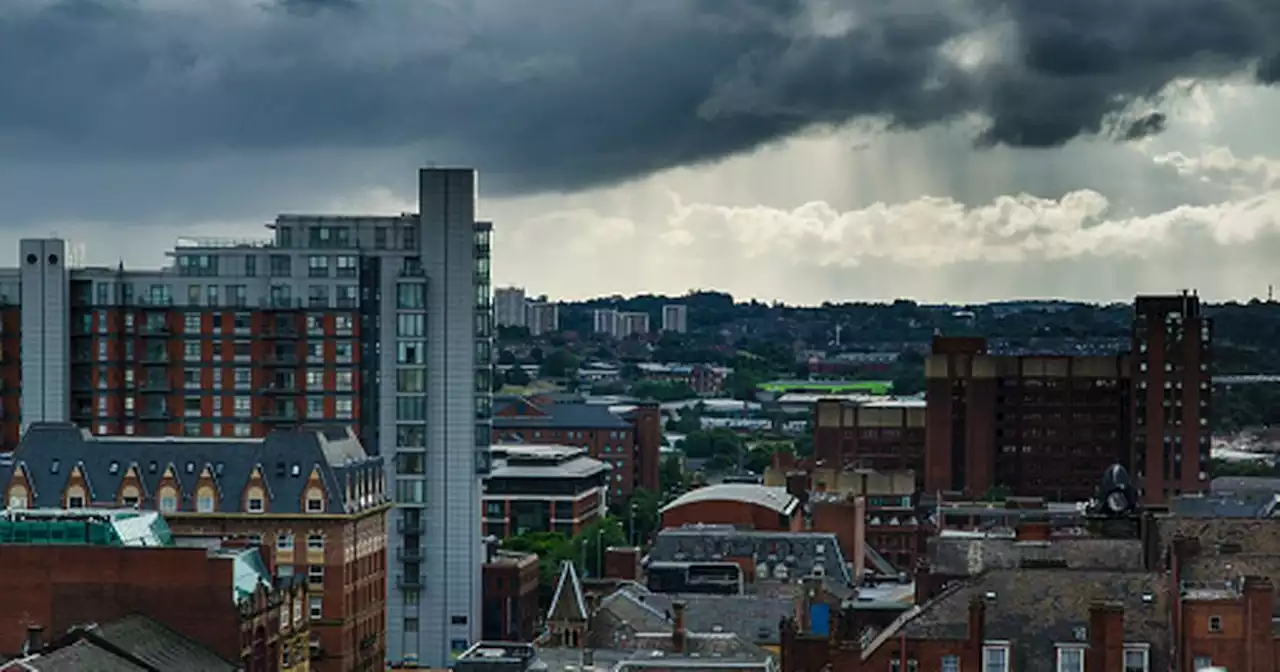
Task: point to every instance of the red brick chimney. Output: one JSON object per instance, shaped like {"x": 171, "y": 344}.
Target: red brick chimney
{"x": 977, "y": 620}
{"x": 1258, "y": 594}
{"x": 678, "y": 634}
{"x": 1106, "y": 638}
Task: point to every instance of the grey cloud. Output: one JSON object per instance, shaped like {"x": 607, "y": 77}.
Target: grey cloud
{"x": 566, "y": 94}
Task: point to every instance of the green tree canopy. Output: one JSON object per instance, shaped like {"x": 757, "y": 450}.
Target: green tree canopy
{"x": 517, "y": 376}
{"x": 663, "y": 391}
{"x": 559, "y": 364}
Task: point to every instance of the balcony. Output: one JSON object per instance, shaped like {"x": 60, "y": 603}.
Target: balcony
{"x": 282, "y": 359}
{"x": 280, "y": 303}
{"x": 155, "y": 357}
{"x": 155, "y": 413}
{"x": 155, "y": 331}
{"x": 404, "y": 526}
{"x": 409, "y": 580}
{"x": 408, "y": 554}
{"x": 280, "y": 388}
{"x": 282, "y": 331}
{"x": 154, "y": 385}
{"x": 288, "y": 414}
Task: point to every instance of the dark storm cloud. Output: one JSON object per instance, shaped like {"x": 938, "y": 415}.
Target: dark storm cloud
{"x": 566, "y": 94}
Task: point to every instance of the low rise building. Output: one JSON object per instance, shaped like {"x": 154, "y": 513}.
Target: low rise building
{"x": 543, "y": 488}
{"x": 628, "y": 441}
{"x": 135, "y": 643}
{"x": 510, "y": 611}
{"x": 64, "y": 569}
{"x": 311, "y": 495}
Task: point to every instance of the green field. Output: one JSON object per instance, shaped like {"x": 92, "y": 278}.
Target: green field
{"x": 829, "y": 387}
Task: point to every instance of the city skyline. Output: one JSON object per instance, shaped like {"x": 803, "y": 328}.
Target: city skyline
{"x": 740, "y": 175}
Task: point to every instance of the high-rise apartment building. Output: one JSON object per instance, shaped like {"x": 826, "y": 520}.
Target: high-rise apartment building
{"x": 1171, "y": 396}
{"x": 384, "y": 323}
{"x": 619, "y": 324}
{"x": 510, "y": 307}
{"x": 675, "y": 317}
{"x": 542, "y": 317}
{"x": 1048, "y": 424}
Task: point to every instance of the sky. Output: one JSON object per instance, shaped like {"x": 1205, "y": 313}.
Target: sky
{"x": 794, "y": 150}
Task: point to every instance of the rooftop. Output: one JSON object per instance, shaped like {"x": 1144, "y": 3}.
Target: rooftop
{"x": 94, "y": 527}
{"x": 1034, "y": 609}
{"x": 49, "y": 452}
{"x": 516, "y": 412}
{"x": 777, "y": 499}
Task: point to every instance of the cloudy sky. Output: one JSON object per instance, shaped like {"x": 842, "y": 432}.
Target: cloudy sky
{"x": 802, "y": 150}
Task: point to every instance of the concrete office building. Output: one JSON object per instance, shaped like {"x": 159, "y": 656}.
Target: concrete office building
{"x": 383, "y": 323}
{"x": 510, "y": 307}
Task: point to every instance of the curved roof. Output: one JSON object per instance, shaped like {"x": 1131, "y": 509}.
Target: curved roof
{"x": 777, "y": 499}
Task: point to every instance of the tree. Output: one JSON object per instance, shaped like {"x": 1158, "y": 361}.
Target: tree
{"x": 506, "y": 357}
{"x": 663, "y": 391}
{"x": 516, "y": 376}
{"x": 536, "y": 354}
{"x": 672, "y": 477}
{"x": 743, "y": 384}
{"x": 552, "y": 548}
{"x": 719, "y": 445}
{"x": 908, "y": 383}
{"x": 639, "y": 513}
{"x": 590, "y": 543}
{"x": 510, "y": 334}
{"x": 559, "y": 364}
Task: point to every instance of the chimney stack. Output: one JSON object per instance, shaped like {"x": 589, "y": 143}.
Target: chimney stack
{"x": 1106, "y": 637}
{"x": 977, "y": 620}
{"x": 34, "y": 639}
{"x": 678, "y": 634}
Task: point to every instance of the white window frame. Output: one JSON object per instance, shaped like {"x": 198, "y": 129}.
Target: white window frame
{"x": 1060, "y": 659}
{"x": 1201, "y": 663}
{"x": 1138, "y": 647}
{"x": 950, "y": 663}
{"x": 204, "y": 504}
{"x": 315, "y": 606}
{"x": 989, "y": 648}
{"x": 315, "y": 542}
{"x": 261, "y": 505}
{"x": 284, "y": 541}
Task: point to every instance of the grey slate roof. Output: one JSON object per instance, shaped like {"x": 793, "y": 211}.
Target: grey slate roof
{"x": 1244, "y": 484}
{"x": 800, "y": 552}
{"x": 970, "y": 556}
{"x": 754, "y": 618}
{"x": 80, "y": 656}
{"x": 158, "y": 646}
{"x": 552, "y": 415}
{"x": 1035, "y": 608}
{"x": 286, "y": 459}
{"x": 1243, "y": 503}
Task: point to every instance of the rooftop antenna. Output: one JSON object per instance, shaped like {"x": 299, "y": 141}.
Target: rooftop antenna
{"x": 1271, "y": 293}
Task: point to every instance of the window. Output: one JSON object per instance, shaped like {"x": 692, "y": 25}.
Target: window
{"x": 411, "y": 352}
{"x": 315, "y": 542}
{"x": 1070, "y": 659}
{"x": 344, "y": 409}
{"x": 951, "y": 664}
{"x": 1137, "y": 658}
{"x": 348, "y": 266}
{"x": 315, "y": 606}
{"x": 1215, "y": 624}
{"x": 315, "y": 575}
{"x": 255, "y": 505}
{"x": 204, "y": 503}
{"x": 130, "y": 502}
{"x": 995, "y": 658}
{"x": 411, "y": 295}
{"x": 1202, "y": 662}
{"x": 410, "y": 624}
{"x": 191, "y": 323}
{"x": 284, "y": 541}
{"x": 75, "y": 502}
{"x": 168, "y": 503}
{"x": 411, "y": 325}
{"x": 343, "y": 381}
{"x": 315, "y": 504}
{"x": 411, "y": 381}
{"x": 318, "y": 267}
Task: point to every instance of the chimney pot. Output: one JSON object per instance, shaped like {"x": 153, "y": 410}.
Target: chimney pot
{"x": 678, "y": 634}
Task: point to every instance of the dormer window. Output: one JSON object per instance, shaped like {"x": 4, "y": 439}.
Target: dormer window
{"x": 191, "y": 467}
{"x": 255, "y": 505}
{"x": 204, "y": 501}
{"x": 152, "y": 467}
{"x": 53, "y": 466}
{"x": 296, "y": 470}
{"x": 217, "y": 469}
{"x": 114, "y": 468}
{"x": 315, "y": 504}
{"x": 75, "y": 502}
{"x": 168, "y": 503}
